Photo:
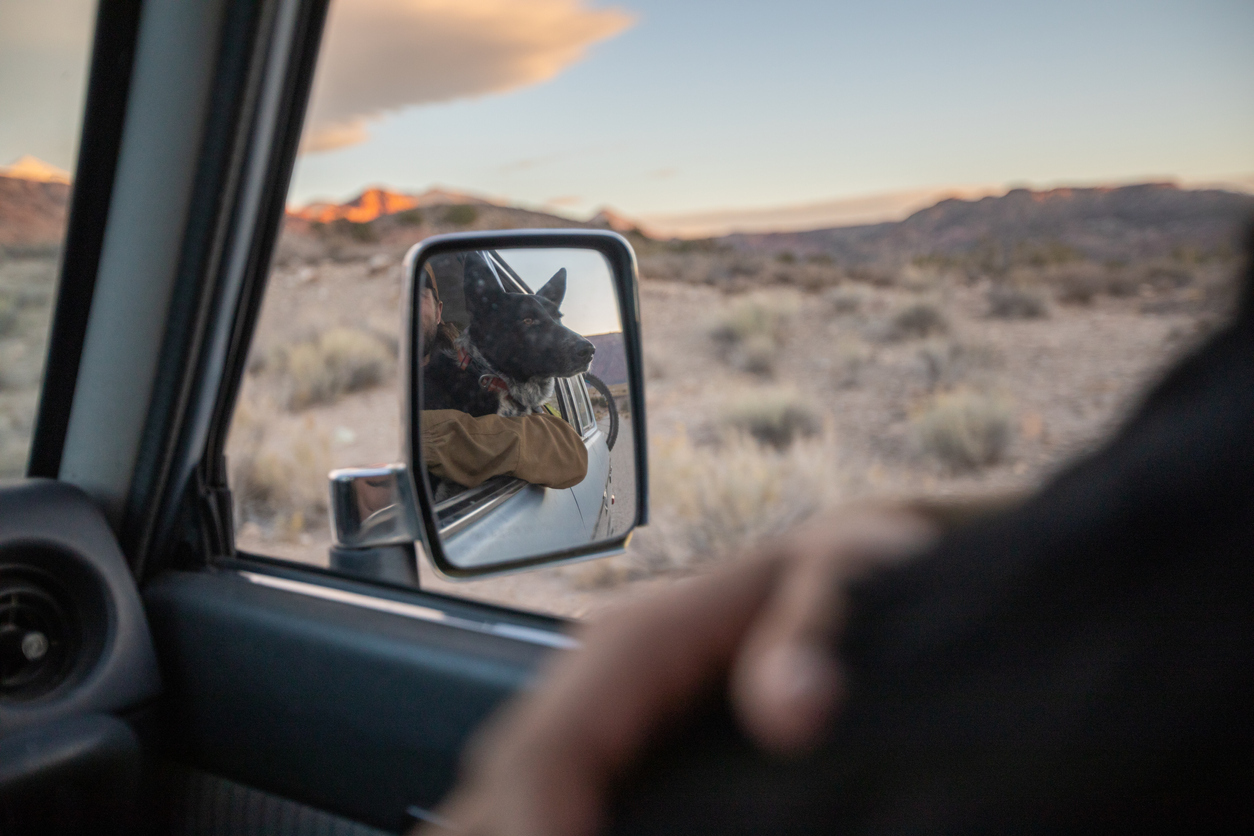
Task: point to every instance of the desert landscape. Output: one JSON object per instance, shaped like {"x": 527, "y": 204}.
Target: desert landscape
{"x": 972, "y": 348}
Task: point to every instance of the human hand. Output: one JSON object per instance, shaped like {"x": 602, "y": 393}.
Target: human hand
{"x": 766, "y": 628}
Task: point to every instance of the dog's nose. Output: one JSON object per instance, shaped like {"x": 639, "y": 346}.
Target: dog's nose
{"x": 587, "y": 350}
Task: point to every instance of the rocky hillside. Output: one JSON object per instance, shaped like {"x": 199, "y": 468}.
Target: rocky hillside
{"x": 32, "y": 213}
{"x": 378, "y": 221}
{"x": 1033, "y": 227}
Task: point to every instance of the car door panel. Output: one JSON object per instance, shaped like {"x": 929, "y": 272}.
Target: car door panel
{"x": 342, "y": 707}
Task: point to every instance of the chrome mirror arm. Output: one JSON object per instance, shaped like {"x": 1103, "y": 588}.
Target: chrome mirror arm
{"x": 373, "y": 506}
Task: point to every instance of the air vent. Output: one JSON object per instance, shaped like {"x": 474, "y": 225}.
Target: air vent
{"x": 40, "y": 636}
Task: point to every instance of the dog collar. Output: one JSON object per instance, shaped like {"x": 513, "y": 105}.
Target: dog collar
{"x": 493, "y": 383}
{"x": 497, "y": 386}
{"x": 463, "y": 358}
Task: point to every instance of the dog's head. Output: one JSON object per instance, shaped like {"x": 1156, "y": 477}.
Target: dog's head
{"x": 521, "y": 334}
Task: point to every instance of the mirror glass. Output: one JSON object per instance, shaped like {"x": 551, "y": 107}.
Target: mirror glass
{"x": 526, "y": 435}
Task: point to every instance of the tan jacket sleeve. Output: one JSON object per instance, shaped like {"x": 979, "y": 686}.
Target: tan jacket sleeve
{"x": 541, "y": 449}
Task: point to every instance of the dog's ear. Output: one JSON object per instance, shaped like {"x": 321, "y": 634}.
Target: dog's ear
{"x": 555, "y": 288}
{"x": 479, "y": 284}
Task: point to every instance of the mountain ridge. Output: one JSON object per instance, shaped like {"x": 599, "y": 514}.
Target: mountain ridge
{"x": 1097, "y": 223}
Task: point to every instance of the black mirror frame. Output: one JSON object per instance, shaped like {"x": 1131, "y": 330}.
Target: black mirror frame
{"x": 622, "y": 260}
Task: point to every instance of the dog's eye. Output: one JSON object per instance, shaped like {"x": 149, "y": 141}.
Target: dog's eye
{"x": 529, "y": 322}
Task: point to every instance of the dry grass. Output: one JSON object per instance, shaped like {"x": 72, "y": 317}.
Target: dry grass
{"x": 711, "y": 501}
{"x": 27, "y": 286}
{"x": 751, "y": 317}
{"x": 278, "y": 480}
{"x": 949, "y": 363}
{"x": 756, "y": 355}
{"x": 319, "y": 371}
{"x": 963, "y": 430}
{"x": 1014, "y": 303}
{"x": 8, "y": 314}
{"x": 17, "y": 410}
{"x": 916, "y": 322}
{"x": 845, "y": 302}
{"x": 773, "y": 418}
{"x": 751, "y": 332}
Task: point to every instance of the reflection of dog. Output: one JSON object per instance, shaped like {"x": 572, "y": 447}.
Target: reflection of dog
{"x": 506, "y": 359}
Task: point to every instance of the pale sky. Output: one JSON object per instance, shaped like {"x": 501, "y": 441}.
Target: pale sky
{"x": 660, "y": 108}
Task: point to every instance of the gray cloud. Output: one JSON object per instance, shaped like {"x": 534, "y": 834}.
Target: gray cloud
{"x": 379, "y": 56}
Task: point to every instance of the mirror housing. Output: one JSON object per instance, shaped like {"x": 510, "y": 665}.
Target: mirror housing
{"x": 372, "y": 507}
{"x": 500, "y": 525}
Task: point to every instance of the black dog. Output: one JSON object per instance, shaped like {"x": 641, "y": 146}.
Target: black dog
{"x": 506, "y": 360}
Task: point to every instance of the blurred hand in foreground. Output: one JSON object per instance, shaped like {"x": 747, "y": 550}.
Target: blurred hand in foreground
{"x": 766, "y": 628}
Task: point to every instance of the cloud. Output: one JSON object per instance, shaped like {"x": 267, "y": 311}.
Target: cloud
{"x": 529, "y": 163}
{"x": 379, "y": 56}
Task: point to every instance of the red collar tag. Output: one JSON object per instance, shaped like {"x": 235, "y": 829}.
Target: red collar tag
{"x": 493, "y": 383}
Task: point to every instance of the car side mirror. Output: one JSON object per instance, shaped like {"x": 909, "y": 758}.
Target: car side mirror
{"x": 524, "y": 416}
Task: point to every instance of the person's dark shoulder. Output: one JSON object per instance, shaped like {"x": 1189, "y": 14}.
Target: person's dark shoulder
{"x": 446, "y": 385}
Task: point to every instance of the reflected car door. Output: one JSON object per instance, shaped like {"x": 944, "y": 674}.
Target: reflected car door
{"x": 508, "y": 518}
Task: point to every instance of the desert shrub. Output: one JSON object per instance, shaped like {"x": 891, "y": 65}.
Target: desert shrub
{"x": 786, "y": 257}
{"x": 774, "y": 419}
{"x": 947, "y": 363}
{"x": 711, "y": 501}
{"x": 922, "y": 319}
{"x": 874, "y": 276}
{"x": 410, "y": 217}
{"x": 851, "y": 357}
{"x": 1079, "y": 285}
{"x": 1167, "y": 276}
{"x": 752, "y": 317}
{"x": 364, "y": 232}
{"x": 17, "y": 414}
{"x": 963, "y": 430}
{"x": 756, "y": 355}
{"x": 9, "y": 315}
{"x": 340, "y": 361}
{"x": 656, "y": 366}
{"x": 1121, "y": 284}
{"x": 845, "y": 302}
{"x": 741, "y": 267}
{"x": 1014, "y": 303}
{"x": 278, "y": 479}
{"x": 460, "y": 215}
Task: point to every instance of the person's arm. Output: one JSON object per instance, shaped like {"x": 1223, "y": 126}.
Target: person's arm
{"x": 1079, "y": 663}
{"x": 541, "y": 449}
{"x": 546, "y": 764}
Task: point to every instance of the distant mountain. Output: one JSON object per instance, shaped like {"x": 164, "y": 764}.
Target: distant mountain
{"x": 34, "y": 198}
{"x": 33, "y": 168}
{"x": 376, "y": 202}
{"x": 607, "y": 218}
{"x": 1097, "y": 223}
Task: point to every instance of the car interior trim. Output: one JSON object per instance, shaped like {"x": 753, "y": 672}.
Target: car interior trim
{"x": 518, "y": 632}
{"x": 171, "y": 91}
{"x": 113, "y": 52}
{"x": 222, "y": 203}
